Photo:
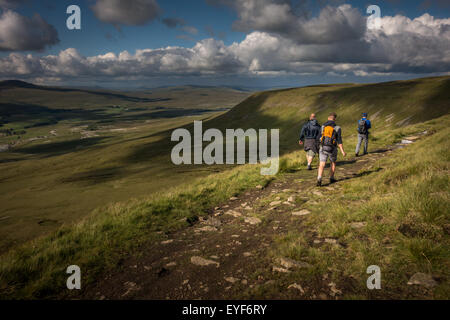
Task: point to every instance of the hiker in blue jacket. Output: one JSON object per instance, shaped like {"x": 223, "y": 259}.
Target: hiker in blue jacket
{"x": 309, "y": 137}
{"x": 363, "y": 134}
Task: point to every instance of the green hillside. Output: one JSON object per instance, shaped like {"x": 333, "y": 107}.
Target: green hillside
{"x": 390, "y": 105}
{"x": 105, "y": 236}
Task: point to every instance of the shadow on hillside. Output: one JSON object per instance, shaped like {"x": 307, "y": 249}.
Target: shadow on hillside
{"x": 58, "y": 148}
{"x": 94, "y": 176}
{"x": 101, "y": 93}
{"x": 42, "y": 116}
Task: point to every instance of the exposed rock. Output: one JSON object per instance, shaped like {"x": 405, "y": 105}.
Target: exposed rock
{"x": 278, "y": 269}
{"x": 413, "y": 138}
{"x": 333, "y": 289}
{"x": 171, "y": 264}
{"x": 358, "y": 225}
{"x": 167, "y": 241}
{"x": 275, "y": 203}
{"x": 199, "y": 261}
{"x": 317, "y": 193}
{"x": 233, "y": 213}
{"x": 259, "y": 187}
{"x": 130, "y": 287}
{"x": 296, "y": 286}
{"x": 243, "y": 205}
{"x": 253, "y": 220}
{"x": 213, "y": 222}
{"x": 292, "y": 264}
{"x": 301, "y": 213}
{"x": 231, "y": 279}
{"x": 5, "y": 147}
{"x": 331, "y": 241}
{"x": 234, "y": 199}
{"x": 291, "y": 199}
{"x": 247, "y": 254}
{"x": 244, "y": 282}
{"x": 422, "y": 279}
{"x": 206, "y": 229}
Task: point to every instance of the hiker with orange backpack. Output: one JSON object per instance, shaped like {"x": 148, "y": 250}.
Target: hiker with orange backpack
{"x": 330, "y": 141}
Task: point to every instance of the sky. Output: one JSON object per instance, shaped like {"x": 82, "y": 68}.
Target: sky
{"x": 243, "y": 43}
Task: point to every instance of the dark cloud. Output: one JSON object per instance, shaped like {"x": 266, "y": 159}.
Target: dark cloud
{"x": 213, "y": 34}
{"x": 20, "y": 33}
{"x": 173, "y": 22}
{"x": 11, "y": 4}
{"x": 126, "y": 12}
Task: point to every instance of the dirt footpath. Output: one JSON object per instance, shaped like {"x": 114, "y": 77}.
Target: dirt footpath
{"x": 226, "y": 253}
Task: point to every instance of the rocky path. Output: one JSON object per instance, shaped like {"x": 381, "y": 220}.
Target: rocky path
{"x": 223, "y": 255}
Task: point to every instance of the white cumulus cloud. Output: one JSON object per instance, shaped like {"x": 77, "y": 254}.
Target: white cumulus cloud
{"x": 400, "y": 45}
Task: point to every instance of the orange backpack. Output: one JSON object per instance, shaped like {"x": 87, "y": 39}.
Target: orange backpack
{"x": 328, "y": 137}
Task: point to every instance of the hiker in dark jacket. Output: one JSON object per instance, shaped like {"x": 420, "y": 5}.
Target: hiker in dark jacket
{"x": 363, "y": 134}
{"x": 309, "y": 137}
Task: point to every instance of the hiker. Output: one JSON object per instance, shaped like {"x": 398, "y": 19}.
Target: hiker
{"x": 363, "y": 134}
{"x": 309, "y": 137}
{"x": 330, "y": 141}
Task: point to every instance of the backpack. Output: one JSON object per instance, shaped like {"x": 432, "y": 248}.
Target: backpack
{"x": 362, "y": 126}
{"x": 328, "y": 140}
{"x": 309, "y": 130}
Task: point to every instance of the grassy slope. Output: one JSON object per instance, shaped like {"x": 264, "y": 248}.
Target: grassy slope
{"x": 37, "y": 269}
{"x": 390, "y": 105}
{"x": 403, "y": 201}
{"x": 61, "y": 178}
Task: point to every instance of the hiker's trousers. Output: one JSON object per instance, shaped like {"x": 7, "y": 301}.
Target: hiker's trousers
{"x": 361, "y": 138}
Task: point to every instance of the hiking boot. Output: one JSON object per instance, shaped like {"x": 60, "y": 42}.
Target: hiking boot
{"x": 309, "y": 167}
{"x": 319, "y": 183}
{"x": 332, "y": 180}
{"x": 356, "y": 155}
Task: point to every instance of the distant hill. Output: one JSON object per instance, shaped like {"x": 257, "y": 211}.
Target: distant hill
{"x": 54, "y": 97}
{"x": 10, "y": 84}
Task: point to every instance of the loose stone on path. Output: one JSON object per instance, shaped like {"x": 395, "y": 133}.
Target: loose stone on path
{"x": 301, "y": 213}
{"x": 252, "y": 220}
{"x": 199, "y": 261}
